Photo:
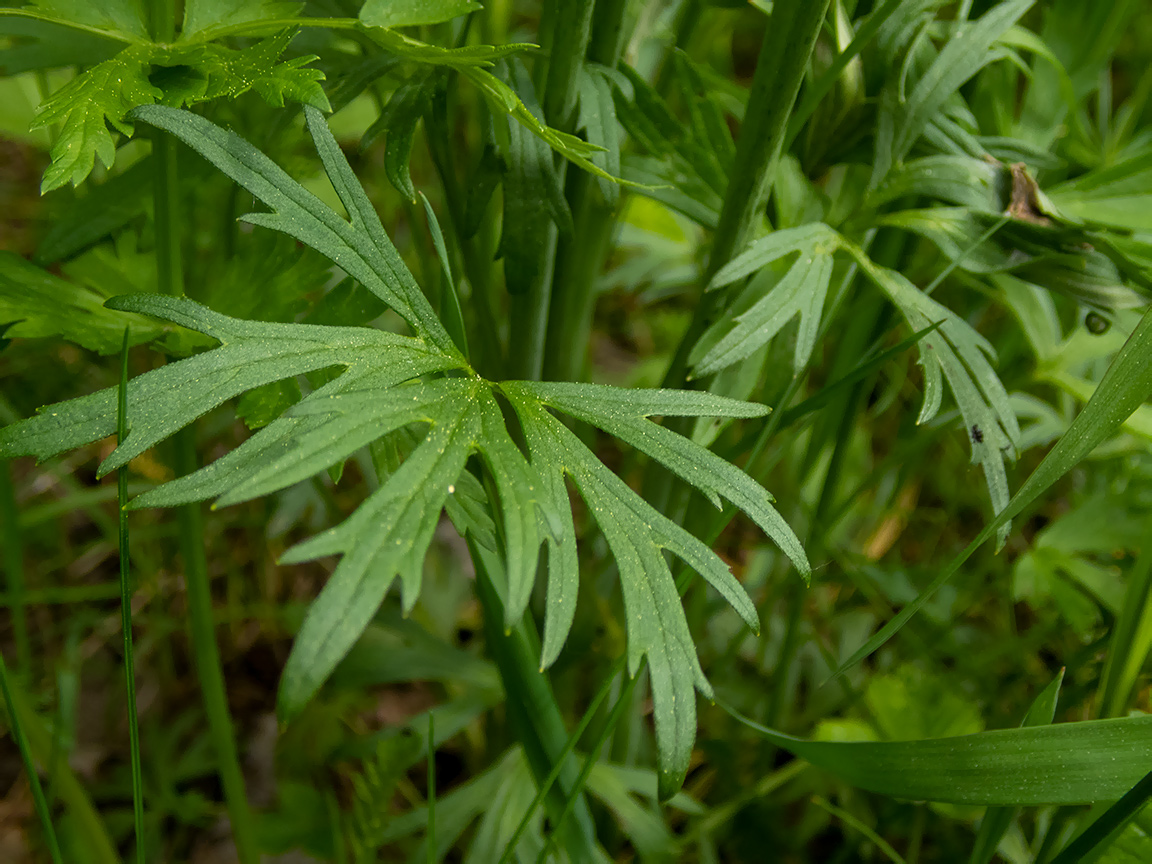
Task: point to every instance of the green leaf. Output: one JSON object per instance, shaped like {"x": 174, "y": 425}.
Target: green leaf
{"x": 811, "y": 238}
{"x": 223, "y": 71}
{"x": 398, "y": 119}
{"x": 800, "y": 292}
{"x": 636, "y": 533}
{"x": 259, "y": 407}
{"x": 961, "y": 356}
{"x": 106, "y": 93}
{"x": 39, "y": 44}
{"x": 37, "y": 304}
{"x": 533, "y": 198}
{"x": 203, "y": 16}
{"x": 597, "y": 117}
{"x": 1068, "y": 763}
{"x": 384, "y": 387}
{"x": 389, "y": 532}
{"x": 997, "y": 820}
{"x": 92, "y": 217}
{"x": 414, "y": 13}
{"x": 359, "y": 247}
{"x": 123, "y": 17}
{"x": 85, "y": 106}
{"x": 165, "y": 400}
{"x": 502, "y": 99}
{"x": 624, "y": 413}
{"x": 965, "y": 54}
{"x": 974, "y": 183}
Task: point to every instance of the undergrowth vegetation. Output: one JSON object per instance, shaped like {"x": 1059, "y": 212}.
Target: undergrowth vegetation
{"x": 702, "y": 431}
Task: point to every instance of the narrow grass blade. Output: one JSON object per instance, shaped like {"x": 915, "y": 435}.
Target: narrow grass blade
{"x": 17, "y": 730}
{"x": 852, "y": 822}
{"x": 1125, "y": 386}
{"x": 1131, "y": 639}
{"x": 1068, "y": 763}
{"x": 126, "y": 608}
{"x": 622, "y": 702}
{"x": 1110, "y": 821}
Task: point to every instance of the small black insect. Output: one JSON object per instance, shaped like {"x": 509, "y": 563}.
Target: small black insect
{"x": 977, "y": 434}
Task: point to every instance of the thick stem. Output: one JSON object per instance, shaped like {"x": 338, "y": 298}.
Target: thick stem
{"x": 788, "y": 43}
{"x": 528, "y": 317}
{"x": 579, "y": 258}
{"x": 572, "y": 24}
{"x": 532, "y": 708}
{"x": 485, "y": 336}
{"x": 166, "y": 201}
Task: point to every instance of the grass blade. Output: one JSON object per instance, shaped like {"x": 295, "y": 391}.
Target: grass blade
{"x": 1066, "y": 763}
{"x": 38, "y": 799}
{"x": 126, "y": 609}
{"x": 1110, "y": 821}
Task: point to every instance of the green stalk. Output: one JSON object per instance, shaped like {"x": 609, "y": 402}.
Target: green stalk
{"x": 126, "y": 610}
{"x": 579, "y": 258}
{"x": 488, "y": 356}
{"x": 14, "y": 570}
{"x": 622, "y": 703}
{"x": 16, "y": 727}
{"x": 574, "y": 24}
{"x": 788, "y": 43}
{"x": 532, "y": 710}
{"x": 529, "y": 313}
{"x": 573, "y": 740}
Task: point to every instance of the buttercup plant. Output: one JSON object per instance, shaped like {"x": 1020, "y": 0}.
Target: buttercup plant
{"x": 948, "y": 182}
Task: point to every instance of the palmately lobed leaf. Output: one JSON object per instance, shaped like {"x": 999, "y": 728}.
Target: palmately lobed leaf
{"x": 392, "y": 385}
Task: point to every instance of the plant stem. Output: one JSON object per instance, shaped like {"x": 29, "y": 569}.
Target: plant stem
{"x": 530, "y": 312}
{"x": 531, "y": 706}
{"x": 580, "y": 257}
{"x": 488, "y": 356}
{"x": 528, "y": 316}
{"x": 126, "y": 610}
{"x": 788, "y": 43}
{"x": 16, "y": 727}
{"x": 574, "y": 23}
